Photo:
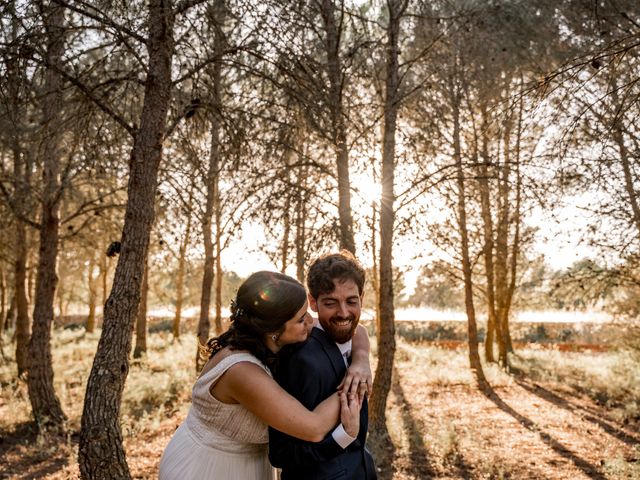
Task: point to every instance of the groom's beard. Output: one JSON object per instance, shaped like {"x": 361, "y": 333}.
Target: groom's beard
{"x": 340, "y": 329}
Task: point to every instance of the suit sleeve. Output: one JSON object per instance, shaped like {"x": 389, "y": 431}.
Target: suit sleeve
{"x": 302, "y": 379}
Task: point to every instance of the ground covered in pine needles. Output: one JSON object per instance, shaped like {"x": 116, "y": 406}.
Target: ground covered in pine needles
{"x": 558, "y": 415}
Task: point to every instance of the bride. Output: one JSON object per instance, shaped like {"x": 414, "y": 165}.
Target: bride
{"x": 235, "y": 398}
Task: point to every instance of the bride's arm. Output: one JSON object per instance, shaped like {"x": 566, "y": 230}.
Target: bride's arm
{"x": 359, "y": 372}
{"x": 251, "y": 386}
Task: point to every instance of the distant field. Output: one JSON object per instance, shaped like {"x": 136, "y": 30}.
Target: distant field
{"x": 571, "y": 331}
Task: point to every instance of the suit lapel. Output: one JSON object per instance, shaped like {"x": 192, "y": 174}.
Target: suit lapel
{"x": 331, "y": 350}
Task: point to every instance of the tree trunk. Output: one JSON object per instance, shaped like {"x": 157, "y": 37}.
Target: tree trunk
{"x": 10, "y": 321}
{"x": 3, "y": 310}
{"x": 101, "y": 454}
{"x": 93, "y": 294}
{"x": 515, "y": 248}
{"x": 502, "y": 245}
{"x": 339, "y": 130}
{"x": 204, "y": 322}
{"x": 472, "y": 328}
{"x": 3, "y": 301}
{"x": 141, "y": 320}
{"x": 386, "y": 332}
{"x": 23, "y": 328}
{"x": 218, "y": 275}
{"x": 487, "y": 220}
{"x": 21, "y": 184}
{"x": 44, "y": 402}
{"x": 182, "y": 261}
{"x": 62, "y": 312}
{"x": 301, "y": 222}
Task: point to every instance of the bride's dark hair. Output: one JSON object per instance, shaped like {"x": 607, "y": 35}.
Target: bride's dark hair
{"x": 264, "y": 303}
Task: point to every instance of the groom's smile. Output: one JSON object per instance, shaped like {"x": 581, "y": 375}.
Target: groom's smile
{"x": 339, "y": 311}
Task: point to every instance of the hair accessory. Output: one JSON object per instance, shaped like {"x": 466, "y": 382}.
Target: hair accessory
{"x": 236, "y": 310}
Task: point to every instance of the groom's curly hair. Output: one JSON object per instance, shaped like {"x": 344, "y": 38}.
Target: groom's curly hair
{"x": 264, "y": 303}
{"x": 327, "y": 269}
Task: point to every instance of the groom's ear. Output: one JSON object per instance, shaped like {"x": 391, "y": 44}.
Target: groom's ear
{"x": 313, "y": 305}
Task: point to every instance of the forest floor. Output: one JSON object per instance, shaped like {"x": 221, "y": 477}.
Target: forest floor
{"x": 558, "y": 415}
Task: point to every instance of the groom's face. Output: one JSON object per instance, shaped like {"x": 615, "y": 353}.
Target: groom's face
{"x": 339, "y": 311}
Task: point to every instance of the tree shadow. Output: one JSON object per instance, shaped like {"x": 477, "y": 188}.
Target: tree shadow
{"x": 588, "y": 469}
{"x": 383, "y": 452}
{"x": 579, "y": 410}
{"x": 419, "y": 459}
{"x": 39, "y": 464}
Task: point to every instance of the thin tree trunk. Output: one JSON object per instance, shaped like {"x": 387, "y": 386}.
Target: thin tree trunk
{"x": 339, "y": 130}
{"x": 301, "y": 215}
{"x": 375, "y": 274}
{"x": 3, "y": 310}
{"x": 502, "y": 246}
{"x": 61, "y": 305}
{"x": 182, "y": 261}
{"x": 386, "y": 333}
{"x": 93, "y": 294}
{"x": 101, "y": 454}
{"x": 204, "y": 322}
{"x": 472, "y": 328}
{"x": 141, "y": 320}
{"x": 487, "y": 219}
{"x": 10, "y": 321}
{"x": 218, "y": 276}
{"x": 515, "y": 249}
{"x": 3, "y": 301}
{"x": 44, "y": 402}
{"x": 22, "y": 180}
{"x": 300, "y": 232}
{"x": 286, "y": 234}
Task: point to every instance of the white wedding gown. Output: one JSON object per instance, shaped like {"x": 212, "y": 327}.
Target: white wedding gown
{"x": 218, "y": 440}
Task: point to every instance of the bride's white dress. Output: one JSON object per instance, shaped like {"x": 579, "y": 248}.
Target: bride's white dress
{"x": 218, "y": 440}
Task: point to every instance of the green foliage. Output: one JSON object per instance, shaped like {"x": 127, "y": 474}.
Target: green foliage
{"x": 437, "y": 288}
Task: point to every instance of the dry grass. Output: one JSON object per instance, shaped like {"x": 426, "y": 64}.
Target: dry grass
{"x": 560, "y": 416}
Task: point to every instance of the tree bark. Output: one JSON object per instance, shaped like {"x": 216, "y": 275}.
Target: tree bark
{"x": 21, "y": 184}
{"x": 218, "y": 275}
{"x": 141, "y": 319}
{"x": 182, "y": 261}
{"x": 386, "y": 331}
{"x": 101, "y": 454}
{"x": 10, "y": 320}
{"x": 502, "y": 245}
{"x": 301, "y": 216}
{"x": 472, "y": 328}
{"x": 3, "y": 301}
{"x": 45, "y": 405}
{"x": 339, "y": 130}
{"x": 487, "y": 220}
{"x": 204, "y": 322}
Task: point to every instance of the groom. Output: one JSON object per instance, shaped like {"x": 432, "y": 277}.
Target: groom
{"x": 312, "y": 372}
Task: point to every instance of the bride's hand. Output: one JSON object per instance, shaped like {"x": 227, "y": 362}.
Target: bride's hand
{"x": 358, "y": 378}
{"x": 350, "y": 412}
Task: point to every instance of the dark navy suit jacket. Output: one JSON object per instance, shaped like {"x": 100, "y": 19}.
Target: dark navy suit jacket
{"x": 311, "y": 372}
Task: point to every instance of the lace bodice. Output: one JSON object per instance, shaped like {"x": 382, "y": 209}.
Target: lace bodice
{"x": 232, "y": 420}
